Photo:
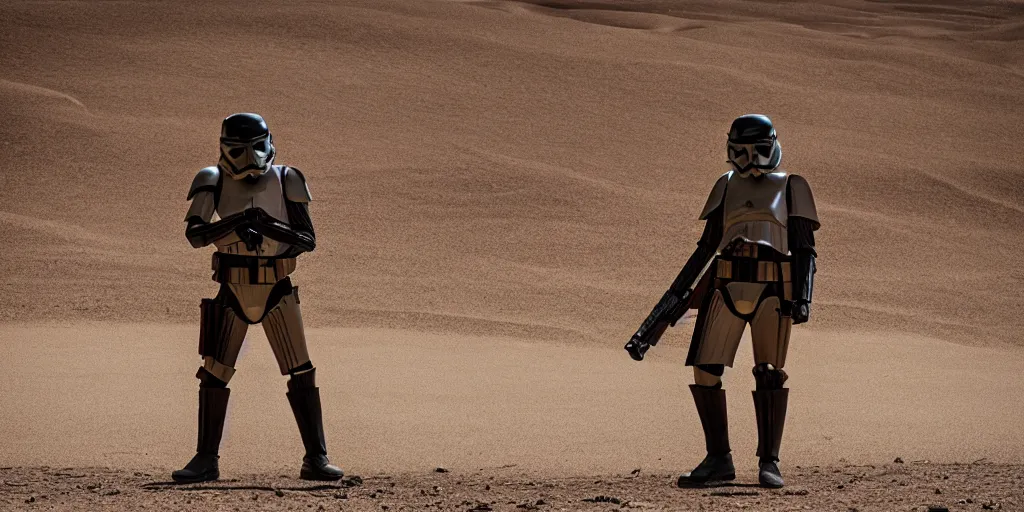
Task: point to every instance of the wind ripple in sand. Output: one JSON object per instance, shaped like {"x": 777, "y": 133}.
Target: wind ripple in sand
{"x": 995, "y": 201}
{"x": 849, "y": 20}
{"x": 441, "y": 323}
{"x": 620, "y": 18}
{"x": 42, "y": 92}
{"x": 63, "y": 230}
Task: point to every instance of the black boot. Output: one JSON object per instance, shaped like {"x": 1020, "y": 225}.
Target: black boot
{"x": 213, "y": 407}
{"x": 304, "y": 397}
{"x": 717, "y": 466}
{"x": 770, "y": 408}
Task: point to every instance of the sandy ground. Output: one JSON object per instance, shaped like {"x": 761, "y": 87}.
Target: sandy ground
{"x": 396, "y": 401}
{"x": 883, "y": 487}
{"x": 502, "y": 191}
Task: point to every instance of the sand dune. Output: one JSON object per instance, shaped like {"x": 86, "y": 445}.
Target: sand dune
{"x": 502, "y": 161}
{"x": 501, "y": 192}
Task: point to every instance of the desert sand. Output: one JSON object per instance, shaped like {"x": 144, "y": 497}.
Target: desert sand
{"x": 502, "y": 190}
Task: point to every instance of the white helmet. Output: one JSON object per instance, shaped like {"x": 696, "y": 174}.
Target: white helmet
{"x": 753, "y": 146}
{"x": 246, "y": 147}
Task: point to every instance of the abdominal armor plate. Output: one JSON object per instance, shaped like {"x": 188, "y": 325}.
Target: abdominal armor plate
{"x": 756, "y": 211}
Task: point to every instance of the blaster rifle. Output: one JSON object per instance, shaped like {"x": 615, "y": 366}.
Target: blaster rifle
{"x": 665, "y": 314}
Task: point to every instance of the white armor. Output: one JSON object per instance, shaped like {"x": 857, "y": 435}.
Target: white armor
{"x": 268, "y": 192}
{"x": 755, "y": 211}
{"x": 214, "y": 197}
{"x": 756, "y": 208}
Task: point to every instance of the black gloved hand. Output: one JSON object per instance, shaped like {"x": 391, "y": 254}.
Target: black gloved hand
{"x": 252, "y": 238}
{"x": 254, "y": 215}
{"x": 801, "y": 312}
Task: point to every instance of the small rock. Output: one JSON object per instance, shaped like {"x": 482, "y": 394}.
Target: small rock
{"x": 341, "y": 496}
{"x": 635, "y": 471}
{"x": 840, "y": 486}
{"x": 352, "y": 481}
{"x": 112, "y": 492}
{"x": 938, "y": 491}
{"x": 384, "y": 507}
{"x": 487, "y": 487}
{"x": 440, "y": 470}
{"x": 279, "y": 493}
{"x": 31, "y": 499}
{"x": 604, "y": 499}
{"x": 541, "y": 502}
{"x": 899, "y": 460}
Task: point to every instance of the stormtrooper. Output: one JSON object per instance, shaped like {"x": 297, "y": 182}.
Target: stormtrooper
{"x": 256, "y": 215}
{"x": 754, "y": 264}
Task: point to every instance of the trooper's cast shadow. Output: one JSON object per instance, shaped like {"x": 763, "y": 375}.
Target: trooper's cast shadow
{"x": 725, "y": 486}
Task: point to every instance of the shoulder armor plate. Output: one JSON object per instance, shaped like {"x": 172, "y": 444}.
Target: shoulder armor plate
{"x": 206, "y": 179}
{"x": 295, "y": 188}
{"x": 717, "y": 195}
{"x": 801, "y": 201}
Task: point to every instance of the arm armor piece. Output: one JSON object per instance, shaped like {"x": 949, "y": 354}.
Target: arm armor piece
{"x": 295, "y": 188}
{"x": 801, "y": 201}
{"x": 801, "y": 243}
{"x": 801, "y": 225}
{"x": 299, "y": 234}
{"x": 207, "y": 178}
{"x": 716, "y": 197}
{"x": 299, "y": 231}
{"x": 204, "y": 194}
{"x": 201, "y": 233}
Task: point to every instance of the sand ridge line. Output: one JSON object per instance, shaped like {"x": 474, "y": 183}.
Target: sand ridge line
{"x": 43, "y": 92}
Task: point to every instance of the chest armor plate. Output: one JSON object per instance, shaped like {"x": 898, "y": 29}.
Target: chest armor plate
{"x": 239, "y": 195}
{"x": 756, "y": 210}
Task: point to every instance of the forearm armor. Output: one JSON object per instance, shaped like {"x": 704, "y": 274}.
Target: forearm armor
{"x": 201, "y": 234}
{"x": 299, "y": 234}
{"x": 801, "y": 243}
{"x": 285, "y": 234}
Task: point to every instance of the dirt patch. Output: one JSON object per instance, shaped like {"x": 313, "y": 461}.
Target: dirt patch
{"x": 895, "y": 486}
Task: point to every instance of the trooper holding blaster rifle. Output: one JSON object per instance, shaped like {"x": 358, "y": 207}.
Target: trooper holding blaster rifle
{"x": 754, "y": 264}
